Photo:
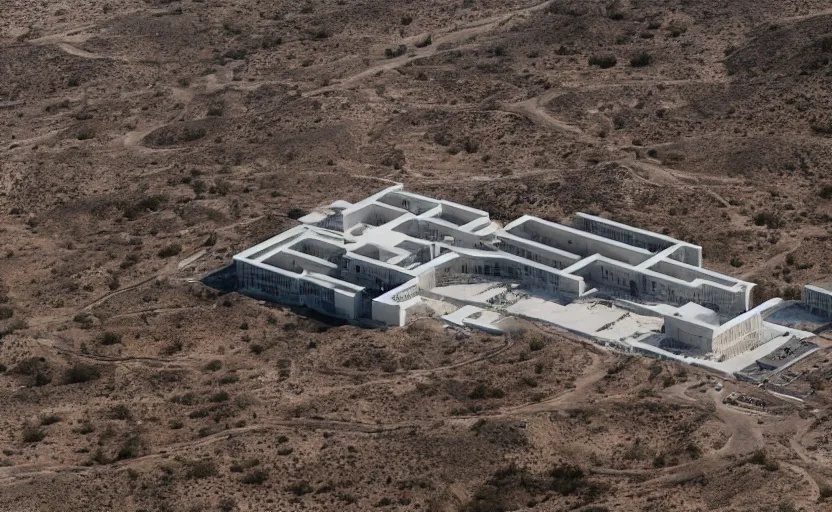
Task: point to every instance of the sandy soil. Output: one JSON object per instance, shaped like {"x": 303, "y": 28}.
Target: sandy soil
{"x": 145, "y": 142}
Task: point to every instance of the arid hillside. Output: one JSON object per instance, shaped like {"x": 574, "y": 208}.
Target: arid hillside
{"x": 144, "y": 142}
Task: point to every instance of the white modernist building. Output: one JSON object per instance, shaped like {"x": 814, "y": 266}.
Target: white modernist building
{"x": 378, "y": 259}
{"x": 697, "y": 327}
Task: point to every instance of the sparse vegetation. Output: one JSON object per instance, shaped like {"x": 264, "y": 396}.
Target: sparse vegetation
{"x": 110, "y": 338}
{"x": 769, "y": 220}
{"x": 120, "y": 412}
{"x": 32, "y": 433}
{"x": 170, "y": 250}
{"x": 640, "y": 60}
{"x": 80, "y": 373}
{"x": 260, "y": 476}
{"x": 131, "y": 448}
{"x": 213, "y": 365}
{"x": 603, "y": 61}
{"x": 296, "y": 213}
{"x": 205, "y": 468}
{"x": 392, "y": 53}
{"x": 482, "y": 391}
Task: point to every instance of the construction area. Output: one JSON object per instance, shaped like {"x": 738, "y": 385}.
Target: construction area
{"x": 396, "y": 256}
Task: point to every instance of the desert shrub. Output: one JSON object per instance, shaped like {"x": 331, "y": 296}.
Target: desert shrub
{"x": 424, "y": 42}
{"x": 235, "y": 54}
{"x": 80, "y": 373}
{"x": 530, "y": 382}
{"x": 172, "y": 348}
{"x": 131, "y": 448}
{"x": 230, "y": 378}
{"x": 84, "y": 318}
{"x": 110, "y": 338}
{"x": 170, "y": 250}
{"x": 768, "y": 219}
{"x": 204, "y": 468}
{"x": 296, "y": 213}
{"x": 129, "y": 261}
{"x": 85, "y": 428}
{"x": 14, "y": 325}
{"x": 826, "y": 192}
{"x": 791, "y": 293}
{"x": 637, "y": 451}
{"x": 736, "y": 262}
{"x": 319, "y": 33}
{"x": 824, "y": 128}
{"x": 256, "y": 348}
{"x": 6, "y": 313}
{"x": 175, "y": 424}
{"x": 300, "y": 488}
{"x": 407, "y": 19}
{"x": 260, "y": 476}
{"x": 790, "y": 259}
{"x": 30, "y": 366}
{"x": 49, "y": 419}
{"x": 239, "y": 467}
{"x": 391, "y": 53}
{"x": 120, "y": 412}
{"x": 536, "y": 344}
{"x": 567, "y": 479}
{"x": 217, "y": 110}
{"x": 603, "y": 61}
{"x": 151, "y": 203}
{"x": 227, "y": 505}
{"x": 640, "y": 60}
{"x": 759, "y": 457}
{"x": 85, "y": 134}
{"x": 220, "y": 396}
{"x": 199, "y": 413}
{"x": 32, "y": 433}
{"x": 199, "y": 187}
{"x": 653, "y": 25}
{"x": 213, "y": 365}
{"x": 482, "y": 391}
{"x": 825, "y": 492}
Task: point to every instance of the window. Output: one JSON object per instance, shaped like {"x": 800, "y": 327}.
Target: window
{"x": 357, "y": 269}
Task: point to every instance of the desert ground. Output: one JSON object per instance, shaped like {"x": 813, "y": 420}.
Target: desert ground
{"x": 143, "y": 143}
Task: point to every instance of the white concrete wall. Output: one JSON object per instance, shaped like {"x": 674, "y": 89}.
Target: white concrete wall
{"x": 690, "y": 333}
{"x": 575, "y": 241}
{"x": 653, "y": 242}
{"x": 347, "y": 304}
{"x": 818, "y": 299}
{"x": 740, "y": 337}
{"x": 388, "y": 313}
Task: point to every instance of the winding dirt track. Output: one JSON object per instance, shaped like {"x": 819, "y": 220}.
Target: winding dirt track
{"x": 447, "y": 36}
